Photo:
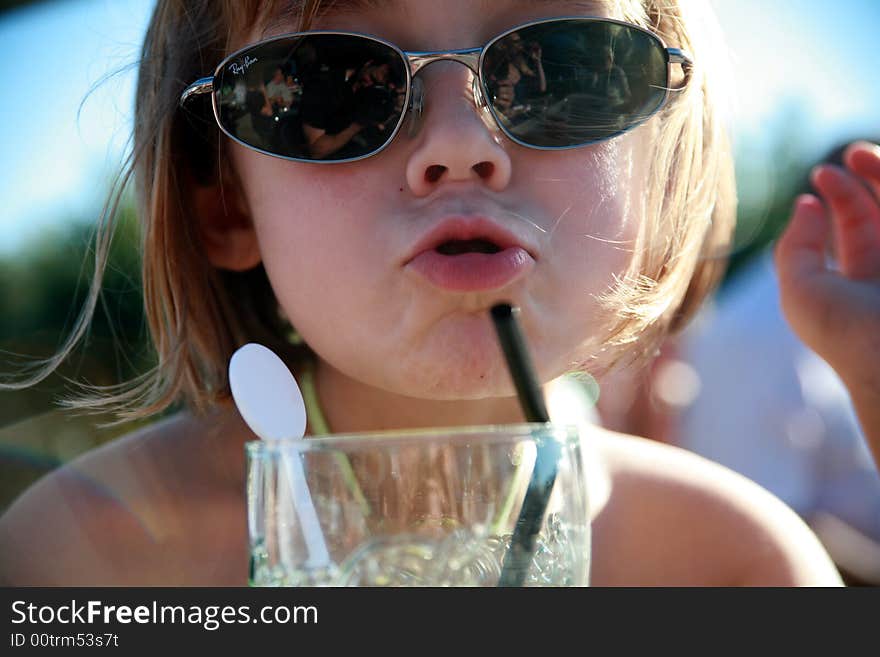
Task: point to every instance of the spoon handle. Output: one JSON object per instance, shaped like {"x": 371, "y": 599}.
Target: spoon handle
{"x": 319, "y": 556}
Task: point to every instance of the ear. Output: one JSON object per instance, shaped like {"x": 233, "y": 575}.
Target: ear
{"x": 225, "y": 227}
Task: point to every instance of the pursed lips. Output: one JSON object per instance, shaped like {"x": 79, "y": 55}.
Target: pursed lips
{"x": 463, "y": 254}
{"x": 464, "y": 234}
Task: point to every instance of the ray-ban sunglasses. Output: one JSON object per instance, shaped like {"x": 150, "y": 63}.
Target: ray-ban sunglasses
{"x": 551, "y": 84}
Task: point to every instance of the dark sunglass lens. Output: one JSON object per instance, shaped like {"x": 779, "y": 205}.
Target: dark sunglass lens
{"x": 571, "y": 82}
{"x": 313, "y": 97}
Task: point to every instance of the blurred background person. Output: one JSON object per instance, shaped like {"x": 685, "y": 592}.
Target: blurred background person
{"x": 740, "y": 388}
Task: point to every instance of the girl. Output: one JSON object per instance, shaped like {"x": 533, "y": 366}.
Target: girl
{"x": 368, "y": 253}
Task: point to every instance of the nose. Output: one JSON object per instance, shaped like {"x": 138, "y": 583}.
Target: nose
{"x": 456, "y": 142}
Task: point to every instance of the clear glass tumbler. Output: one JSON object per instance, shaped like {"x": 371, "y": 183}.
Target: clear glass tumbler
{"x": 434, "y": 507}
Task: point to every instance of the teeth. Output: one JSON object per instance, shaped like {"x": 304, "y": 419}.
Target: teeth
{"x": 457, "y": 247}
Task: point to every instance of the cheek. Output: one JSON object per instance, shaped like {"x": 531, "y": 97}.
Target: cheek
{"x": 595, "y": 222}
{"x": 596, "y": 202}
{"x": 290, "y": 199}
{"x": 307, "y": 210}
{"x": 311, "y": 221}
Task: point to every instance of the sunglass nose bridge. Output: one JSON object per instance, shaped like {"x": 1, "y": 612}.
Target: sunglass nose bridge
{"x": 419, "y": 60}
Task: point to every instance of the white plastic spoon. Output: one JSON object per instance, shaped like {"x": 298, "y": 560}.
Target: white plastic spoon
{"x": 271, "y": 403}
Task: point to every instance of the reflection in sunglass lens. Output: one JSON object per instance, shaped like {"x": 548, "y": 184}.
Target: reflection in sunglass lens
{"x": 314, "y": 97}
{"x": 571, "y": 82}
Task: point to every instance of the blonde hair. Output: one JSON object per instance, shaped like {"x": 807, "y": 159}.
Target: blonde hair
{"x": 198, "y": 315}
{"x": 690, "y": 201}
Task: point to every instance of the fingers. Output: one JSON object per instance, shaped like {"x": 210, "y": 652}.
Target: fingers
{"x": 856, "y": 217}
{"x": 863, "y": 159}
{"x": 800, "y": 252}
{"x": 808, "y": 290}
{"x": 820, "y": 305}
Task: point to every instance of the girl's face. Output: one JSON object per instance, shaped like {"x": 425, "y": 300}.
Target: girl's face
{"x": 336, "y": 239}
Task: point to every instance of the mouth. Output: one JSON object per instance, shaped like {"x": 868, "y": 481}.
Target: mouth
{"x": 468, "y": 254}
{"x": 455, "y": 236}
{"x": 457, "y": 247}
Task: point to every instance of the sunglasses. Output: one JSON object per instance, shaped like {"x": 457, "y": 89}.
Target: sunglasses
{"x": 550, "y": 84}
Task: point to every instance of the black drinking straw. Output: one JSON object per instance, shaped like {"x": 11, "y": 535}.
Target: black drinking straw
{"x": 531, "y": 516}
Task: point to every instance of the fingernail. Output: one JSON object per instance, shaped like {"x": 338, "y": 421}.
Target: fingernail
{"x": 804, "y": 199}
{"x": 806, "y": 202}
{"x": 868, "y": 146}
{"x": 830, "y": 174}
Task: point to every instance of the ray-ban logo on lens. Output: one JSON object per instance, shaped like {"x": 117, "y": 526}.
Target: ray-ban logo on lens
{"x": 241, "y": 67}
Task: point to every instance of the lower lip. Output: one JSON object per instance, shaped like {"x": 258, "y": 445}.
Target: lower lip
{"x": 472, "y": 272}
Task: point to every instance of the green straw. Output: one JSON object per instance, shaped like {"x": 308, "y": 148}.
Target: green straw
{"x": 518, "y": 557}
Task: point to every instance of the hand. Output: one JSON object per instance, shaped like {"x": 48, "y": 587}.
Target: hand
{"x": 535, "y": 53}
{"x": 836, "y": 310}
{"x": 504, "y": 94}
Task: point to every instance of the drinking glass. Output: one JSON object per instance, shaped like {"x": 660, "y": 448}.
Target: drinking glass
{"x": 433, "y": 507}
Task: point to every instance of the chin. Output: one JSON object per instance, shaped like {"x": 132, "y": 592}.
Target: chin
{"x": 461, "y": 375}
{"x": 465, "y": 384}
{"x": 455, "y": 387}
{"x": 459, "y": 358}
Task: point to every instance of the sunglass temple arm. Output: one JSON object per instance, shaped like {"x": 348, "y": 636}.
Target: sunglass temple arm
{"x": 678, "y": 56}
{"x": 197, "y": 88}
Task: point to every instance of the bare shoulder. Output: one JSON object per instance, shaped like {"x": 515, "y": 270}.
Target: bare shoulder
{"x": 117, "y": 514}
{"x": 674, "y": 518}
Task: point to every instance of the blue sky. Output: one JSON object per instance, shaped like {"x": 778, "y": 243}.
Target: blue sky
{"x": 815, "y": 54}
{"x": 55, "y": 164}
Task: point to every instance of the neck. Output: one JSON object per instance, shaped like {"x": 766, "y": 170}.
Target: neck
{"x": 352, "y": 406}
